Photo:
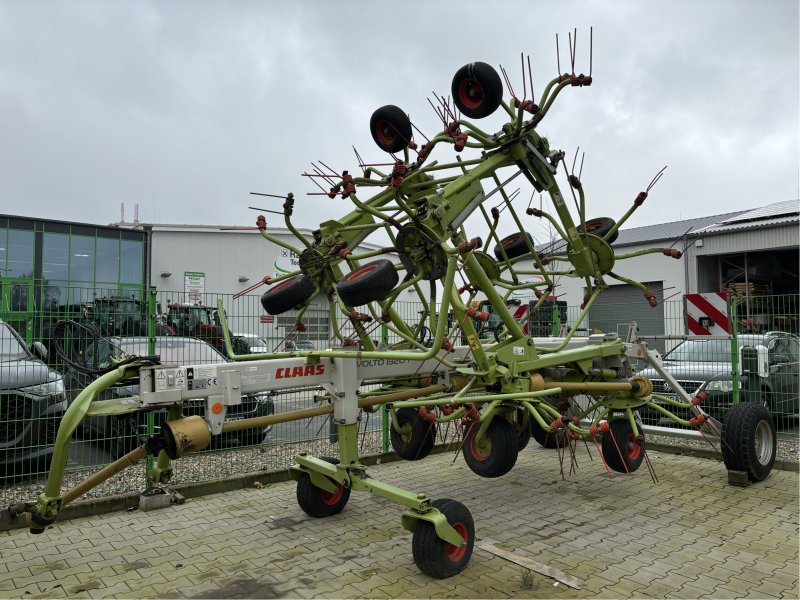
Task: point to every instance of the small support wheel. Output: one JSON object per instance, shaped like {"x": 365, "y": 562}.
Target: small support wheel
{"x": 477, "y": 90}
{"x": 320, "y": 503}
{"x": 600, "y": 227}
{"x": 514, "y": 245}
{"x": 287, "y": 294}
{"x": 390, "y": 128}
{"x": 621, "y": 450}
{"x": 749, "y": 440}
{"x": 435, "y": 557}
{"x": 416, "y": 444}
{"x": 371, "y": 282}
{"x": 496, "y": 453}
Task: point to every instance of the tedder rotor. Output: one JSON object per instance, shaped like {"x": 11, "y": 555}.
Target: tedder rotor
{"x": 499, "y": 391}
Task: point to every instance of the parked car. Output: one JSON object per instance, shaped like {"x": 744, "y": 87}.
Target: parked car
{"x": 769, "y": 371}
{"x": 32, "y": 402}
{"x": 255, "y": 344}
{"x": 298, "y": 346}
{"x": 125, "y": 432}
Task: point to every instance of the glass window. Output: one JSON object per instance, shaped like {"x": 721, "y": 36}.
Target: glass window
{"x": 107, "y": 260}
{"x": 20, "y": 254}
{"x": 132, "y": 262}
{"x": 55, "y": 259}
{"x": 81, "y": 258}
{"x": 54, "y": 295}
{"x": 3, "y": 251}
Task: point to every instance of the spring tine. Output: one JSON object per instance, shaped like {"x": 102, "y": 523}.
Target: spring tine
{"x": 650, "y": 466}
{"x": 530, "y": 76}
{"x": 572, "y": 49}
{"x": 580, "y": 171}
{"x": 463, "y": 440}
{"x": 656, "y": 178}
{"x": 325, "y": 422}
{"x": 524, "y": 85}
{"x": 590, "y": 51}
{"x": 589, "y": 452}
{"x": 561, "y": 455}
{"x": 600, "y": 452}
{"x": 575, "y": 158}
{"x": 267, "y": 195}
{"x": 558, "y": 57}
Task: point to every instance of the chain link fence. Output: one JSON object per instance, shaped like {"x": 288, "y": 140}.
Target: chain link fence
{"x": 68, "y": 345}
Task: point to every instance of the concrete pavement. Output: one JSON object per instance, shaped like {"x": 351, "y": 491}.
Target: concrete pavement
{"x": 689, "y": 536}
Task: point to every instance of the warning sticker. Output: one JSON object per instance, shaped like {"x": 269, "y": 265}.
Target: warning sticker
{"x": 161, "y": 380}
{"x": 179, "y": 379}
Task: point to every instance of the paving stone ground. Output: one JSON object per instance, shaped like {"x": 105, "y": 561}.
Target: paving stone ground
{"x": 689, "y": 536}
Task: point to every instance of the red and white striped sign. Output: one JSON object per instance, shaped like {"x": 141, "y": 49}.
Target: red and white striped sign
{"x": 707, "y": 314}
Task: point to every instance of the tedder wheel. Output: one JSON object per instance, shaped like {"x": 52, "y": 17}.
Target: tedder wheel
{"x": 371, "y": 282}
{"x": 317, "y": 502}
{"x": 390, "y": 128}
{"x": 749, "y": 440}
{"x": 287, "y": 294}
{"x": 548, "y": 439}
{"x": 496, "y": 453}
{"x": 435, "y": 557}
{"x": 621, "y": 451}
{"x": 419, "y": 442}
{"x": 522, "y": 427}
{"x": 514, "y": 245}
{"x": 477, "y": 90}
{"x": 600, "y": 227}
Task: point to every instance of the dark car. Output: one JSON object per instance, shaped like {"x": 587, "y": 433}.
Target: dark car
{"x": 126, "y": 431}
{"x": 768, "y": 367}
{"x": 32, "y": 402}
{"x": 298, "y": 346}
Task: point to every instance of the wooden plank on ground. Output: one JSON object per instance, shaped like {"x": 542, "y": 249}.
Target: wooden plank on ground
{"x": 531, "y": 564}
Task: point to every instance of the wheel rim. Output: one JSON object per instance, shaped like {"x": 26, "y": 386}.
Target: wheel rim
{"x": 332, "y": 498}
{"x": 633, "y": 448}
{"x": 480, "y": 450}
{"x": 454, "y": 553}
{"x": 470, "y": 93}
{"x": 385, "y": 132}
{"x": 763, "y": 442}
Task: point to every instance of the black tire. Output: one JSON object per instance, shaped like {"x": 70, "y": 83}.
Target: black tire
{"x": 621, "y": 451}
{"x": 477, "y": 90}
{"x": 548, "y": 439}
{"x": 522, "y": 427}
{"x": 435, "y": 557}
{"x": 318, "y": 503}
{"x": 514, "y": 245}
{"x": 419, "y": 443}
{"x": 749, "y": 440}
{"x": 496, "y": 454}
{"x": 390, "y": 128}
{"x": 287, "y": 294}
{"x": 374, "y": 281}
{"x": 600, "y": 227}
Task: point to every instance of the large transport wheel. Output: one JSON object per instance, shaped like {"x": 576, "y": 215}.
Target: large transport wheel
{"x": 419, "y": 442}
{"x": 477, "y": 90}
{"x": 320, "y": 503}
{"x": 390, "y": 128}
{"x": 522, "y": 427}
{"x": 496, "y": 453}
{"x": 749, "y": 440}
{"x": 514, "y": 245}
{"x": 600, "y": 227}
{"x": 548, "y": 439}
{"x": 621, "y": 450}
{"x": 435, "y": 557}
{"x": 371, "y": 282}
{"x": 287, "y": 294}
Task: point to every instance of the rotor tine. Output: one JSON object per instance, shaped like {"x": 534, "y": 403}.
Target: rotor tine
{"x": 650, "y": 466}
{"x": 524, "y": 85}
{"x": 463, "y": 440}
{"x": 585, "y": 443}
{"x": 580, "y": 171}
{"x": 600, "y": 452}
{"x": 575, "y": 158}
{"x": 325, "y": 422}
{"x": 656, "y": 178}
{"x": 530, "y": 76}
{"x": 558, "y": 57}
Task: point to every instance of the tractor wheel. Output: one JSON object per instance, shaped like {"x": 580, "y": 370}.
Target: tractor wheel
{"x": 514, "y": 245}
{"x": 371, "y": 282}
{"x": 548, "y": 439}
{"x": 600, "y": 227}
{"x": 621, "y": 451}
{"x": 317, "y": 502}
{"x": 522, "y": 427}
{"x": 419, "y": 442}
{"x": 496, "y": 453}
{"x": 390, "y": 128}
{"x": 477, "y": 90}
{"x": 287, "y": 294}
{"x": 435, "y": 557}
{"x": 749, "y": 440}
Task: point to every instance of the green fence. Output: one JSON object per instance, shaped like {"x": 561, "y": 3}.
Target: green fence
{"x": 74, "y": 339}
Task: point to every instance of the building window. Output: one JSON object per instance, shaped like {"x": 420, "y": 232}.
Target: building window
{"x": 132, "y": 262}
{"x": 81, "y": 258}
{"x": 55, "y": 259}
{"x": 19, "y": 254}
{"x": 107, "y": 260}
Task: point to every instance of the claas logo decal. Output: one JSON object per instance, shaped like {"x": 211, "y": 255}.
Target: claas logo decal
{"x": 304, "y": 371}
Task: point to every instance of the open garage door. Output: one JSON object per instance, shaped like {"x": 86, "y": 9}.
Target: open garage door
{"x": 621, "y": 304}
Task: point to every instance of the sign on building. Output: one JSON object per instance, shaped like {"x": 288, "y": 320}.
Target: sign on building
{"x": 194, "y": 286}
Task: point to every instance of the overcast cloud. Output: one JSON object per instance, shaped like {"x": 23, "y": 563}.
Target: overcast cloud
{"x": 186, "y": 107}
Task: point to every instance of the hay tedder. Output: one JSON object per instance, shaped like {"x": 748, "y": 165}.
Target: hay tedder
{"x": 498, "y": 392}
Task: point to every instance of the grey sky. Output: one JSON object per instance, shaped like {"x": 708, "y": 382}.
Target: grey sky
{"x": 185, "y": 107}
